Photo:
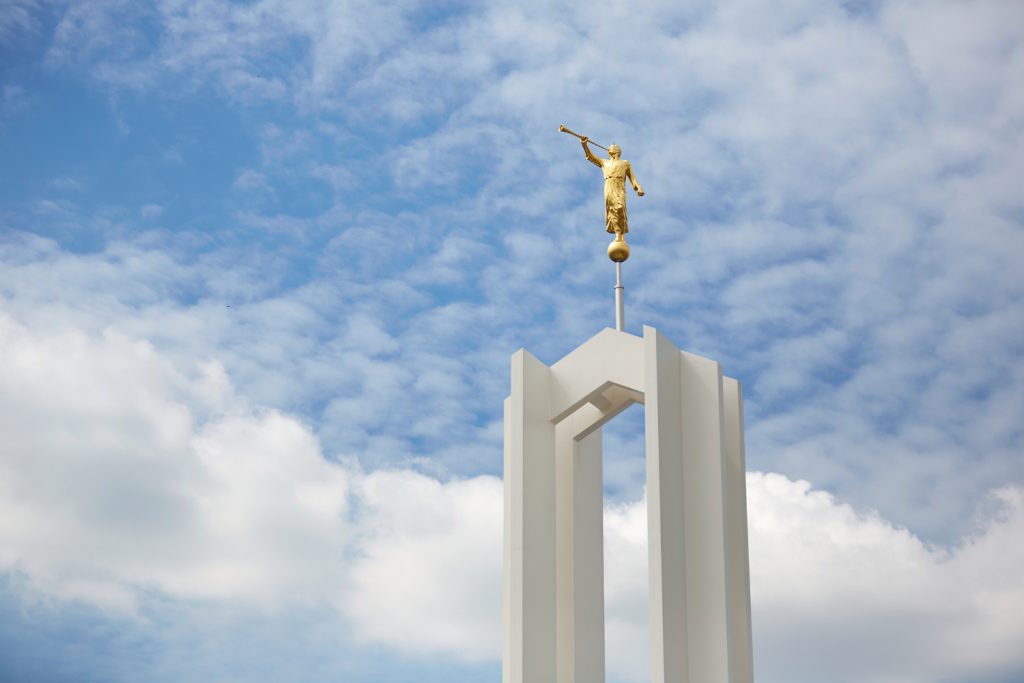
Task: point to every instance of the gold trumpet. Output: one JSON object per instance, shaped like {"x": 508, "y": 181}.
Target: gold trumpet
{"x": 563, "y": 129}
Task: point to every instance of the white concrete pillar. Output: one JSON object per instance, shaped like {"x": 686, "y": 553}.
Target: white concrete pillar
{"x": 529, "y": 525}
{"x": 686, "y": 515}
{"x": 666, "y": 559}
{"x": 580, "y": 552}
{"x": 737, "y": 552}
{"x": 696, "y": 489}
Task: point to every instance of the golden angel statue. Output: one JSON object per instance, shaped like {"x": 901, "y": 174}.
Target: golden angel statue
{"x": 616, "y": 171}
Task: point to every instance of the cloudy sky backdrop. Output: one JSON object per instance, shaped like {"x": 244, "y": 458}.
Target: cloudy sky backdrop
{"x": 262, "y": 266}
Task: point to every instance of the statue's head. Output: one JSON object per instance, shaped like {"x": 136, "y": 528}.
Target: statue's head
{"x": 614, "y": 151}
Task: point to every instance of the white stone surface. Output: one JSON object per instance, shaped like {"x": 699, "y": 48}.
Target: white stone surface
{"x": 554, "y": 575}
{"x": 738, "y": 559}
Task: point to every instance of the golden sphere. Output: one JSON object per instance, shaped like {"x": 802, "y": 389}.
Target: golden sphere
{"x": 618, "y": 250}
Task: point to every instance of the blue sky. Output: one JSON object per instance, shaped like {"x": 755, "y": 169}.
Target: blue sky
{"x": 262, "y": 266}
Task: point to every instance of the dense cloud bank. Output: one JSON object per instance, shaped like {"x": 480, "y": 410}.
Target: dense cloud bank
{"x": 124, "y": 475}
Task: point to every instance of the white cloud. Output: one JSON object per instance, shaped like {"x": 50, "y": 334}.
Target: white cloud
{"x": 120, "y": 473}
{"x": 426, "y": 576}
{"x": 815, "y": 148}
{"x": 241, "y": 49}
{"x": 252, "y": 180}
{"x": 13, "y": 99}
{"x": 847, "y": 596}
{"x": 21, "y": 20}
{"x": 150, "y": 211}
{"x": 124, "y": 473}
{"x": 69, "y": 184}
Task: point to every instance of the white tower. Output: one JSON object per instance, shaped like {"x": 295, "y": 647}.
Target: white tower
{"x": 697, "y": 520}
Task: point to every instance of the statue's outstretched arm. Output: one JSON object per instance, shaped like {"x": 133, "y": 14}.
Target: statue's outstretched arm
{"x": 590, "y": 155}
{"x": 632, "y": 179}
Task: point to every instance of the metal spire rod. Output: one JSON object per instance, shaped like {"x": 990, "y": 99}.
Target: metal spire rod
{"x": 620, "y": 307}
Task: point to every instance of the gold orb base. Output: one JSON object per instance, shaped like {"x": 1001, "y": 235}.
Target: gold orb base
{"x": 618, "y": 250}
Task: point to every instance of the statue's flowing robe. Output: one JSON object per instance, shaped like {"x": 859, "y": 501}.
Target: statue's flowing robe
{"x": 615, "y": 194}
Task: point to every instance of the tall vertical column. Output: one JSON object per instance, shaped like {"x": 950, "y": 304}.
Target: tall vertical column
{"x": 588, "y": 547}
{"x": 707, "y": 593}
{"x": 580, "y": 548}
{"x": 666, "y": 564}
{"x": 529, "y": 530}
{"x": 736, "y": 530}
{"x": 686, "y": 515}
